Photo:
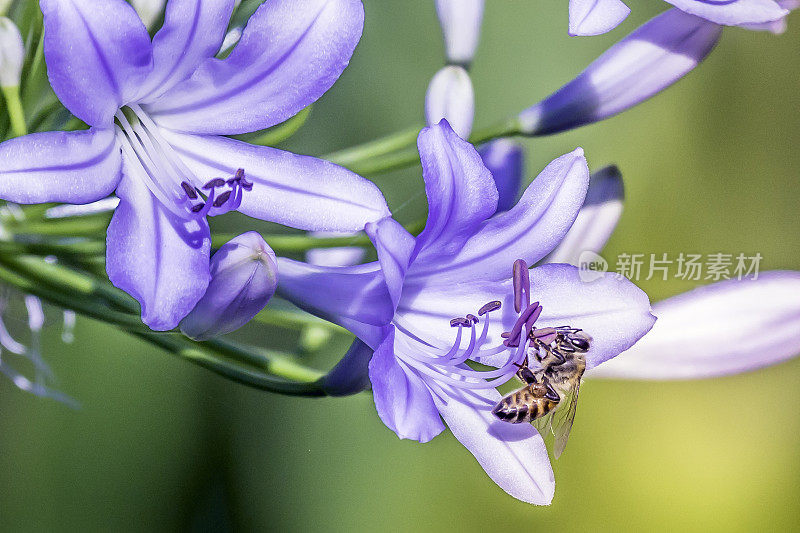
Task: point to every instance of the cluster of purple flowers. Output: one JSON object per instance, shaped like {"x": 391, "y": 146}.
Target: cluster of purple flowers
{"x": 160, "y": 113}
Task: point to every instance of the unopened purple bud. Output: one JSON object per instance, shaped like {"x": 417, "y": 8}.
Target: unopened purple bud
{"x": 450, "y": 96}
{"x": 645, "y": 62}
{"x": 461, "y": 26}
{"x": 505, "y": 160}
{"x": 244, "y": 275}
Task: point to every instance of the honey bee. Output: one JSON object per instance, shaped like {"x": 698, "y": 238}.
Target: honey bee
{"x": 549, "y": 398}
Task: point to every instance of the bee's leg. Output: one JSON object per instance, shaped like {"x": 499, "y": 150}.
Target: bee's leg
{"x": 553, "y": 358}
{"x": 552, "y": 394}
{"x": 526, "y": 375}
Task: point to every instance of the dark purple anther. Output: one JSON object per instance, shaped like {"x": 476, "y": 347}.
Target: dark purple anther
{"x": 460, "y": 322}
{"x": 529, "y": 316}
{"x": 522, "y": 285}
{"x": 488, "y": 308}
{"x": 239, "y": 174}
{"x": 213, "y": 184}
{"x": 246, "y": 185}
{"x": 197, "y": 208}
{"x": 189, "y": 190}
{"x": 473, "y": 319}
{"x": 222, "y": 198}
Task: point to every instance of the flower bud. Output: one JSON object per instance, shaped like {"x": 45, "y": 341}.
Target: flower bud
{"x": 244, "y": 275}
{"x": 12, "y": 53}
{"x": 450, "y": 97}
{"x": 505, "y": 160}
{"x": 461, "y": 26}
{"x": 645, "y": 62}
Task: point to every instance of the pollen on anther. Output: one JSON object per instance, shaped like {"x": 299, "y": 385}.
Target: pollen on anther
{"x": 488, "y": 308}
{"x": 473, "y": 319}
{"x": 214, "y": 183}
{"x": 221, "y": 199}
{"x": 198, "y": 207}
{"x": 189, "y": 190}
{"x": 460, "y": 322}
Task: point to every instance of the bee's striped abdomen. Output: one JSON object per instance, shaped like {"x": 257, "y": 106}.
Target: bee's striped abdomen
{"x": 523, "y": 406}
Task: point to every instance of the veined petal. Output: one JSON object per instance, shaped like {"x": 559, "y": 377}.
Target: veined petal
{"x": 460, "y": 190}
{"x": 290, "y": 53}
{"x": 529, "y": 231}
{"x": 299, "y": 191}
{"x": 593, "y": 17}
{"x": 726, "y": 328}
{"x": 513, "y": 455}
{"x": 73, "y": 167}
{"x": 402, "y": 399}
{"x": 611, "y": 309}
{"x": 355, "y": 297}
{"x": 98, "y": 55}
{"x": 645, "y": 62}
{"x": 596, "y": 220}
{"x": 159, "y": 259}
{"x": 732, "y": 12}
{"x": 394, "y": 246}
{"x": 505, "y": 160}
{"x": 193, "y": 31}
{"x": 461, "y": 26}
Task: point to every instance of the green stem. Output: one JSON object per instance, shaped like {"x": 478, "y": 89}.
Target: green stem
{"x": 15, "y": 112}
{"x": 289, "y": 319}
{"x": 196, "y": 353}
{"x": 397, "y": 150}
{"x": 378, "y": 147}
{"x": 79, "y": 292}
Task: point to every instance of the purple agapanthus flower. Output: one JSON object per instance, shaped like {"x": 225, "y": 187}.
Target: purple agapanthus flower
{"x": 593, "y": 17}
{"x": 432, "y": 302}
{"x": 157, "y": 112}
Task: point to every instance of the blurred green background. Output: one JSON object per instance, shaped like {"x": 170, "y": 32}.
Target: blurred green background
{"x": 711, "y": 165}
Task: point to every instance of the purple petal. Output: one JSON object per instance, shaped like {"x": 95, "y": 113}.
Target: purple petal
{"x": 73, "y": 167}
{"x": 460, "y": 190}
{"x": 596, "y": 220}
{"x": 776, "y": 26}
{"x": 355, "y": 297}
{"x": 505, "y": 160}
{"x": 611, "y": 309}
{"x": 461, "y": 26}
{"x": 98, "y": 55}
{"x": 290, "y": 53}
{"x": 513, "y": 455}
{"x": 645, "y": 62}
{"x": 732, "y": 12}
{"x": 402, "y": 399}
{"x": 157, "y": 258}
{"x": 450, "y": 96}
{"x": 726, "y": 328}
{"x": 193, "y": 31}
{"x": 529, "y": 231}
{"x": 593, "y": 17}
{"x": 351, "y": 374}
{"x": 299, "y": 191}
{"x": 394, "y": 246}
{"x": 243, "y": 278}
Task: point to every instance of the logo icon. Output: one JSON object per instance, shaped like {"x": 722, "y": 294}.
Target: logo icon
{"x": 591, "y": 266}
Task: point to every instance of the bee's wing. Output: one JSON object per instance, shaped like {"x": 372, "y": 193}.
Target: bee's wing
{"x": 543, "y": 424}
{"x": 562, "y": 419}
